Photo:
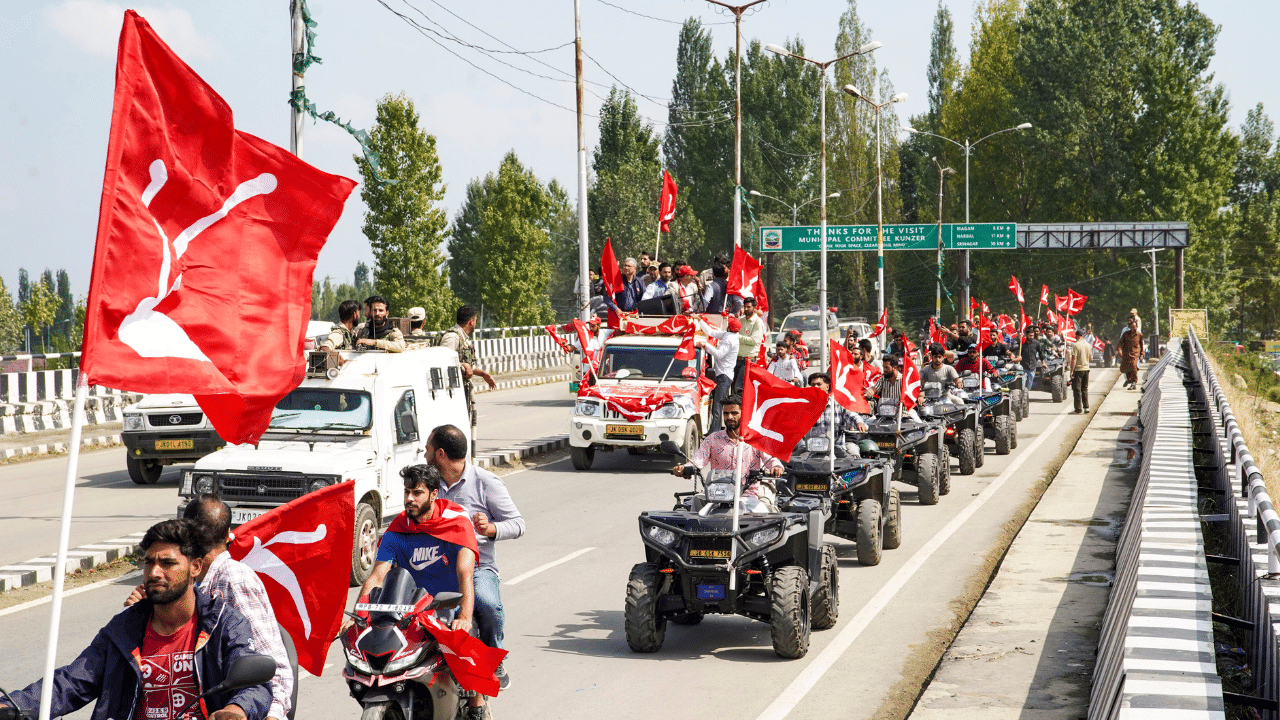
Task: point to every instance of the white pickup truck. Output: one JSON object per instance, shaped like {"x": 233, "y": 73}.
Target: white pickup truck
{"x": 358, "y": 422}
{"x": 635, "y": 368}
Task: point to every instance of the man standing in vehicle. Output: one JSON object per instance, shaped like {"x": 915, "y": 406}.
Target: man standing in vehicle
{"x": 379, "y": 333}
{"x": 1078, "y": 359}
{"x": 153, "y": 657}
{"x": 724, "y": 354}
{"x": 750, "y": 338}
{"x": 458, "y": 339}
{"x": 719, "y": 452}
{"x": 343, "y": 334}
{"x": 494, "y": 516}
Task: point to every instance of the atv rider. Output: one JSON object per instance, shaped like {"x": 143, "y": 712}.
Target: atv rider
{"x": 720, "y": 449}
{"x": 848, "y": 421}
{"x": 889, "y": 386}
{"x": 942, "y": 373}
{"x": 976, "y": 364}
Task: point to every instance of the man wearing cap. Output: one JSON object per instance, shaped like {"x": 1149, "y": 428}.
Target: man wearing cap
{"x": 458, "y": 339}
{"x": 417, "y": 316}
{"x": 662, "y": 285}
{"x": 343, "y": 334}
{"x": 688, "y": 289}
{"x": 724, "y": 355}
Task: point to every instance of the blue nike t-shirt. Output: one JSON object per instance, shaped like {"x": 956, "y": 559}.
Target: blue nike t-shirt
{"x": 431, "y": 562}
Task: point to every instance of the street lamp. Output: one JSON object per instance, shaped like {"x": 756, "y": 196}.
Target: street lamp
{"x": 822, "y": 123}
{"x": 967, "y": 147}
{"x": 737, "y": 11}
{"x": 851, "y": 90}
{"x": 937, "y": 301}
{"x": 795, "y": 211}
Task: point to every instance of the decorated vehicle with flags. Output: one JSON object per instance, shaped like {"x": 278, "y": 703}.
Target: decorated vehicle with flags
{"x": 650, "y": 386}
{"x": 358, "y": 417}
{"x": 995, "y": 412}
{"x": 1011, "y": 379}
{"x": 1053, "y": 379}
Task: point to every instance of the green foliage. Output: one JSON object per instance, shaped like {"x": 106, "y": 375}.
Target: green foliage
{"x": 562, "y": 229}
{"x": 404, "y": 223}
{"x": 512, "y": 262}
{"x": 326, "y": 297}
{"x": 39, "y": 310}
{"x": 10, "y": 323}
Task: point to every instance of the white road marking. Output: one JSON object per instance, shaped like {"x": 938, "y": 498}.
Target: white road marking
{"x": 521, "y": 578}
{"x": 809, "y": 677}
{"x": 83, "y": 588}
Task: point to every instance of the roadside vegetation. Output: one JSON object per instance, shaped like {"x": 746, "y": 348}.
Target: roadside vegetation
{"x": 1256, "y": 406}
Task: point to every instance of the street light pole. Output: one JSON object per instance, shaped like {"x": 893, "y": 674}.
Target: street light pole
{"x": 937, "y": 301}
{"x": 584, "y": 280}
{"x": 737, "y": 11}
{"x": 1155, "y": 305}
{"x": 298, "y": 38}
{"x": 967, "y": 148}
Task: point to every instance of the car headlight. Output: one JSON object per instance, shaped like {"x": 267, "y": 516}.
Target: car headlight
{"x": 670, "y": 410}
{"x": 320, "y": 484}
{"x": 661, "y": 535}
{"x": 720, "y": 492}
{"x": 133, "y": 422}
{"x": 405, "y": 662}
{"x": 203, "y": 485}
{"x": 588, "y": 409}
{"x": 764, "y": 537}
{"x": 818, "y": 444}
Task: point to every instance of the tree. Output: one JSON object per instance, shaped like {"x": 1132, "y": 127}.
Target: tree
{"x": 39, "y": 310}
{"x": 64, "y": 323}
{"x": 404, "y": 223}
{"x": 465, "y": 244}
{"x": 562, "y": 231}
{"x": 512, "y": 260}
{"x": 10, "y": 323}
{"x": 918, "y": 173}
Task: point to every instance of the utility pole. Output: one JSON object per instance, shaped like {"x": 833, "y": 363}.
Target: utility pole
{"x": 298, "y": 36}
{"x": 584, "y": 287}
{"x": 1155, "y": 304}
{"x": 737, "y": 11}
{"x": 937, "y": 301}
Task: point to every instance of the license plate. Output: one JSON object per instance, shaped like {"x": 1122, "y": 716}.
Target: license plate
{"x": 379, "y": 607}
{"x": 886, "y": 445}
{"x": 701, "y": 552}
{"x": 811, "y": 487}
{"x": 244, "y": 515}
{"x": 178, "y": 444}
{"x": 710, "y": 592}
{"x": 624, "y": 430}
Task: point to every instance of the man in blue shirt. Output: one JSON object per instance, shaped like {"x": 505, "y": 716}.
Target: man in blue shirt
{"x": 632, "y": 289}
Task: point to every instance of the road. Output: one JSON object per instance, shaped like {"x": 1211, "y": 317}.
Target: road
{"x": 564, "y": 622}
{"x": 109, "y": 505}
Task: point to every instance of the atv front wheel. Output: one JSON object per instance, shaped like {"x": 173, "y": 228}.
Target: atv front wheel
{"x": 893, "y": 526}
{"x": 789, "y": 611}
{"x": 826, "y": 602}
{"x": 1026, "y": 402}
{"x": 645, "y": 632}
{"x": 870, "y": 532}
{"x": 1058, "y": 389}
{"x": 927, "y": 478}
{"x": 582, "y": 457}
{"x": 1002, "y": 434}
{"x": 966, "y": 451}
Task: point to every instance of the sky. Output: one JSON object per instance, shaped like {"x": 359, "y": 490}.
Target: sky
{"x": 58, "y": 60}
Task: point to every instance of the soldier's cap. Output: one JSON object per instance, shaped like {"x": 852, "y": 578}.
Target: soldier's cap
{"x": 417, "y": 313}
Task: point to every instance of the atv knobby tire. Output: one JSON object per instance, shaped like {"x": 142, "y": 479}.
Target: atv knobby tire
{"x": 944, "y": 474}
{"x": 965, "y": 451}
{"x": 645, "y": 632}
{"x": 1002, "y": 423}
{"x": 826, "y": 601}
{"x": 1026, "y": 402}
{"x": 979, "y": 447}
{"x": 1058, "y": 388}
{"x": 927, "y": 478}
{"x": 893, "y": 526}
{"x": 789, "y": 611}
{"x": 582, "y": 457}
{"x": 1013, "y": 434}
{"x": 870, "y": 532}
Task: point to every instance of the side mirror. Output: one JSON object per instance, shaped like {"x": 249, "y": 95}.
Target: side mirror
{"x": 246, "y": 671}
{"x": 669, "y": 447}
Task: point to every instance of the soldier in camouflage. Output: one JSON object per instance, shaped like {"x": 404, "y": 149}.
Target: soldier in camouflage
{"x": 379, "y": 333}
{"x": 343, "y": 334}
{"x": 458, "y": 339}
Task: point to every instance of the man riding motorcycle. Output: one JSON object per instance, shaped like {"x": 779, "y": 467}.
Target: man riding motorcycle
{"x": 719, "y": 451}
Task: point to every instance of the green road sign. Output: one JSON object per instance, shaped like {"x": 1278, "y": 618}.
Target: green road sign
{"x": 805, "y": 238}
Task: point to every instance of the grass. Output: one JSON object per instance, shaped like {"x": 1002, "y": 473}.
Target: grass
{"x": 1259, "y": 424}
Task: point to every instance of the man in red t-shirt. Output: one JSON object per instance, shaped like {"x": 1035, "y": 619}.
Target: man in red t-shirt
{"x": 179, "y": 636}
{"x": 975, "y": 363}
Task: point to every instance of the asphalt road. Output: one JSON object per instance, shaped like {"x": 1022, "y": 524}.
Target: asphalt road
{"x": 563, "y": 592}
{"x": 109, "y": 505}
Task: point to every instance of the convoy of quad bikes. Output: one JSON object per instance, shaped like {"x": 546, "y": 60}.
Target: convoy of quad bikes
{"x": 774, "y": 566}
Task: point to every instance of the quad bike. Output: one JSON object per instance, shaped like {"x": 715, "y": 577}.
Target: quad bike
{"x": 865, "y": 506}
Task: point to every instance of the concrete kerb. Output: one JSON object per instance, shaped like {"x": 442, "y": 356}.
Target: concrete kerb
{"x": 84, "y": 557}
{"x": 57, "y": 448}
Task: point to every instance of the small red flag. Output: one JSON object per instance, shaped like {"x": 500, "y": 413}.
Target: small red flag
{"x": 881, "y": 324}
{"x": 910, "y": 382}
{"x": 207, "y": 240}
{"x": 847, "y": 380}
{"x": 667, "y": 204}
{"x": 1015, "y": 288}
{"x": 302, "y": 553}
{"x": 776, "y": 414}
{"x": 1044, "y": 294}
{"x": 551, "y": 330}
{"x": 1075, "y": 301}
{"x": 1098, "y": 344}
{"x": 609, "y": 272}
{"x": 745, "y": 280}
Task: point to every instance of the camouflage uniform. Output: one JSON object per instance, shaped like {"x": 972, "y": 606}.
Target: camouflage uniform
{"x": 340, "y": 338}
{"x": 455, "y": 338}
{"x": 391, "y": 342}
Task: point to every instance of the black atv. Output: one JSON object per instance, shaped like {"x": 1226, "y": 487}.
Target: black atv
{"x": 995, "y": 412}
{"x": 865, "y": 505}
{"x": 961, "y": 433}
{"x": 1053, "y": 379}
{"x": 1011, "y": 378}
{"x": 914, "y": 446}
{"x": 773, "y": 567}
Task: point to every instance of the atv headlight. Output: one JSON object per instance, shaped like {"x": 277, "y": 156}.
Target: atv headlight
{"x": 670, "y": 410}
{"x": 587, "y": 409}
{"x": 720, "y": 492}
{"x": 133, "y": 422}
{"x": 818, "y": 444}
{"x": 405, "y": 662}
{"x": 202, "y": 485}
{"x": 661, "y": 535}
{"x": 912, "y": 437}
{"x": 764, "y": 537}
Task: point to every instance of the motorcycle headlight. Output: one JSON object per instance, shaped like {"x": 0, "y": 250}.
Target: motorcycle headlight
{"x": 764, "y": 537}
{"x": 358, "y": 662}
{"x": 133, "y": 422}
{"x": 720, "y": 492}
{"x": 818, "y": 444}
{"x": 670, "y": 410}
{"x": 405, "y": 662}
{"x": 586, "y": 409}
{"x": 203, "y": 485}
{"x": 661, "y": 535}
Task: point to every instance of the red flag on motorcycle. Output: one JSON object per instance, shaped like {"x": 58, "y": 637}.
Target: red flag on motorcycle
{"x": 910, "y": 388}
{"x": 206, "y": 243}
{"x": 471, "y": 662}
{"x": 1015, "y": 288}
{"x": 1075, "y": 301}
{"x": 1044, "y": 294}
{"x": 667, "y": 203}
{"x": 777, "y": 414}
{"x": 302, "y": 553}
{"x": 881, "y": 324}
{"x": 847, "y": 380}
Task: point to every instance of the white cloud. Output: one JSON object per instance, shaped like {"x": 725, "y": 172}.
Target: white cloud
{"x": 94, "y": 26}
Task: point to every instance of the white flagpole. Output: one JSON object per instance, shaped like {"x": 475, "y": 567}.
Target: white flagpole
{"x": 64, "y": 539}
{"x": 835, "y": 417}
{"x": 737, "y": 495}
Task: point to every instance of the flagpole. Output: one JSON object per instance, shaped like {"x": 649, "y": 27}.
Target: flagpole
{"x": 658, "y": 242}
{"x": 733, "y": 529}
{"x": 64, "y": 539}
{"x": 298, "y": 34}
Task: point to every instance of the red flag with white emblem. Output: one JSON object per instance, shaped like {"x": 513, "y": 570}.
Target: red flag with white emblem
{"x": 745, "y": 280}
{"x": 1098, "y": 344}
{"x": 881, "y": 324}
{"x": 1025, "y": 320}
{"x": 1075, "y": 301}
{"x": 1060, "y": 303}
{"x": 847, "y": 380}
{"x": 910, "y": 382}
{"x": 667, "y": 203}
{"x": 207, "y": 239}
{"x": 777, "y": 414}
{"x": 302, "y": 553}
{"x": 1044, "y": 294}
{"x": 1015, "y": 288}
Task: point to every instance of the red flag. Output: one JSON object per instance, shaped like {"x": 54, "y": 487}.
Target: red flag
{"x": 667, "y": 203}
{"x": 1044, "y": 294}
{"x": 910, "y": 382}
{"x": 873, "y": 374}
{"x": 1025, "y": 320}
{"x": 935, "y": 333}
{"x": 1075, "y": 301}
{"x": 745, "y": 280}
{"x": 1098, "y": 344}
{"x": 847, "y": 380}
{"x": 686, "y": 351}
{"x": 302, "y": 553}
{"x": 1015, "y": 288}
{"x": 776, "y": 414}
{"x": 1053, "y": 317}
{"x": 985, "y": 310}
{"x": 1059, "y": 303}
{"x": 207, "y": 239}
{"x": 1007, "y": 325}
{"x": 609, "y": 272}
{"x": 973, "y": 303}
{"x": 551, "y": 330}
{"x": 471, "y": 661}
{"x": 881, "y": 324}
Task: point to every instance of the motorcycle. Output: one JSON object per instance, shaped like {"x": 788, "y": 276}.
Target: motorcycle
{"x": 395, "y": 668}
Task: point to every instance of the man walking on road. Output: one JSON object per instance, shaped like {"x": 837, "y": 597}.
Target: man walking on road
{"x": 458, "y": 339}
{"x": 1078, "y": 360}
{"x": 495, "y": 517}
